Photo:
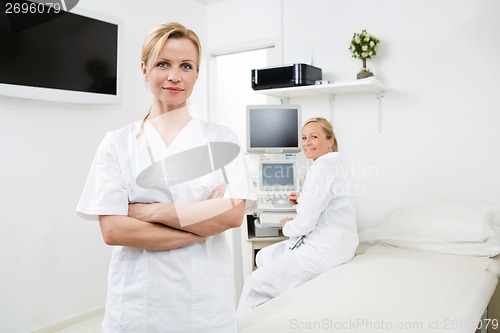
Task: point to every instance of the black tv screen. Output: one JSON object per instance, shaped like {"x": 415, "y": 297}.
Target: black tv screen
{"x": 69, "y": 53}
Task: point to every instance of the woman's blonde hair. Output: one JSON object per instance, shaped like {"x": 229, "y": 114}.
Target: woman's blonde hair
{"x": 327, "y": 128}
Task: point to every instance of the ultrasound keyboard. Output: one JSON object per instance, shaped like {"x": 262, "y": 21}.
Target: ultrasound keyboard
{"x": 272, "y": 219}
{"x": 274, "y": 201}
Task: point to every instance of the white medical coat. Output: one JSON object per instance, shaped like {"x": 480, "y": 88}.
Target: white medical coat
{"x": 325, "y": 212}
{"x": 326, "y": 216}
{"x": 190, "y": 289}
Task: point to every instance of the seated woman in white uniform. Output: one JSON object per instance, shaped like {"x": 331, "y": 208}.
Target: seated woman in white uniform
{"x": 322, "y": 235}
{"x": 164, "y": 189}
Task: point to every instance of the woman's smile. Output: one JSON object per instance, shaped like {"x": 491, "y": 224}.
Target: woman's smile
{"x": 174, "y": 89}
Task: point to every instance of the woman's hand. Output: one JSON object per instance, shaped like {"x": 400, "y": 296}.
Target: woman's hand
{"x": 126, "y": 231}
{"x": 294, "y": 197}
{"x": 145, "y": 211}
{"x": 141, "y": 211}
{"x": 219, "y": 191}
{"x": 285, "y": 221}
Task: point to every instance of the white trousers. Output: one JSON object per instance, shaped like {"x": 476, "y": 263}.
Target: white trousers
{"x": 280, "y": 270}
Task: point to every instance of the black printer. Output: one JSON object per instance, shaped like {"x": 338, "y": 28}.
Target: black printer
{"x": 285, "y": 76}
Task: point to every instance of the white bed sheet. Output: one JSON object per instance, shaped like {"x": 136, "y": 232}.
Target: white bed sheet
{"x": 384, "y": 289}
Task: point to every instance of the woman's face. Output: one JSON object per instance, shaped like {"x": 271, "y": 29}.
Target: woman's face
{"x": 173, "y": 75}
{"x": 314, "y": 141}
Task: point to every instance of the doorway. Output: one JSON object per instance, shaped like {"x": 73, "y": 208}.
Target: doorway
{"x": 230, "y": 91}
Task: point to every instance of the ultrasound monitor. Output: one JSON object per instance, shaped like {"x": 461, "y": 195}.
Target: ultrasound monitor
{"x": 278, "y": 175}
{"x": 273, "y": 129}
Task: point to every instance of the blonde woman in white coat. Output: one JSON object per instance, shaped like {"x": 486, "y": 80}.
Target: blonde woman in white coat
{"x": 323, "y": 234}
{"x": 163, "y": 208}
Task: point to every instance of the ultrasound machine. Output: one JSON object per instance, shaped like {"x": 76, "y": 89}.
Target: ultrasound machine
{"x": 273, "y": 132}
{"x": 277, "y": 179}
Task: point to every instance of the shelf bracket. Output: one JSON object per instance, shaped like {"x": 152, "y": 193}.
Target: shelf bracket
{"x": 285, "y": 100}
{"x": 331, "y": 103}
{"x": 380, "y": 98}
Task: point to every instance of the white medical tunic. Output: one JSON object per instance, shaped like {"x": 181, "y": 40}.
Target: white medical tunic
{"x": 325, "y": 212}
{"x": 190, "y": 289}
{"x": 326, "y": 216}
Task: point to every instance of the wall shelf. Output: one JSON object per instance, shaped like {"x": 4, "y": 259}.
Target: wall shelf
{"x": 367, "y": 85}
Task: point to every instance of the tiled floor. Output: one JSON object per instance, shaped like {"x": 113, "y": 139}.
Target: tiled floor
{"x": 91, "y": 325}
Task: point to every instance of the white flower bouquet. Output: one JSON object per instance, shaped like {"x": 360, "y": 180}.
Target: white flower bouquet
{"x": 364, "y": 46}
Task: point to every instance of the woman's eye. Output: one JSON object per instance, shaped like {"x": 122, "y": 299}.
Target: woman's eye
{"x": 162, "y": 64}
{"x": 186, "y": 66}
{"x": 303, "y": 138}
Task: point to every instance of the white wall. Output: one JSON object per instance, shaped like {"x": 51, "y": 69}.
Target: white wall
{"x": 440, "y": 137}
{"x": 53, "y": 264}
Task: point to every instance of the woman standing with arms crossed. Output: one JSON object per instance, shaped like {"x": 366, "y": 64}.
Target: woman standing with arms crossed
{"x": 170, "y": 270}
{"x": 322, "y": 235}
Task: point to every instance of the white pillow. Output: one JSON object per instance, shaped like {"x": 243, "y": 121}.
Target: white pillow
{"x": 435, "y": 223}
{"x": 489, "y": 248}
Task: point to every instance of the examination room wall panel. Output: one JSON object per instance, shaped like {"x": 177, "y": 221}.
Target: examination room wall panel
{"x": 439, "y": 137}
{"x": 53, "y": 263}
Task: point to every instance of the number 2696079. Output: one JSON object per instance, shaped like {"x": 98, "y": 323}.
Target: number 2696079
{"x": 33, "y": 8}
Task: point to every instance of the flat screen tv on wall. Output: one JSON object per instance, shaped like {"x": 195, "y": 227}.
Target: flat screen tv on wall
{"x": 73, "y": 57}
